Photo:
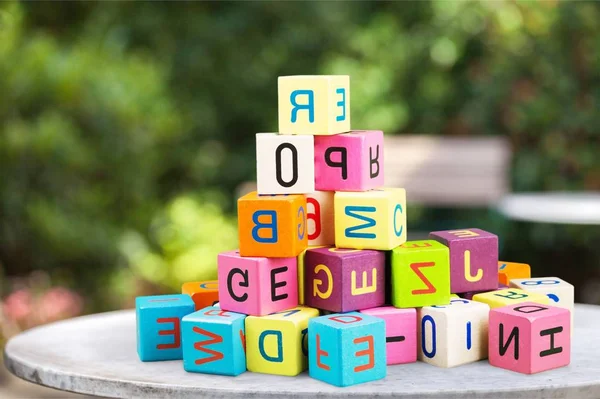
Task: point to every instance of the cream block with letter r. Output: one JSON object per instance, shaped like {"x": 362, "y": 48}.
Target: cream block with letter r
{"x": 284, "y": 164}
{"x": 314, "y": 105}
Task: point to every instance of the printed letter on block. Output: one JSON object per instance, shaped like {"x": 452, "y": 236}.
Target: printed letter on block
{"x": 319, "y": 215}
{"x": 346, "y": 349}
{"x": 509, "y": 296}
{"x": 158, "y": 320}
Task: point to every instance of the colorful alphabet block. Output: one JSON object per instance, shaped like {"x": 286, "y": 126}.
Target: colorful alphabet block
{"x": 203, "y": 293}
{"x": 453, "y": 334}
{"x": 510, "y": 270}
{"x": 473, "y": 259}
{"x": 158, "y": 325}
{"x": 373, "y": 219}
{"x": 273, "y": 226}
{"x": 400, "y": 333}
{"x": 343, "y": 280}
{"x": 509, "y": 296}
{"x": 319, "y": 214}
{"x": 314, "y": 105}
{"x": 214, "y": 342}
{"x": 278, "y": 343}
{"x": 284, "y": 164}
{"x": 350, "y": 161}
{"x": 346, "y": 349}
{"x": 420, "y": 274}
{"x": 529, "y": 338}
{"x": 256, "y": 286}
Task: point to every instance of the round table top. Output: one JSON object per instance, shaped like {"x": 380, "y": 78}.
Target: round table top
{"x": 553, "y": 207}
{"x": 97, "y": 355}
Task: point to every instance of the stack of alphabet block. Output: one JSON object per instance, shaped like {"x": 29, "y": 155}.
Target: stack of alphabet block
{"x": 325, "y": 280}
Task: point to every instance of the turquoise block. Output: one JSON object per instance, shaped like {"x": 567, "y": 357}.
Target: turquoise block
{"x": 213, "y": 342}
{"x": 346, "y": 348}
{"x": 158, "y": 320}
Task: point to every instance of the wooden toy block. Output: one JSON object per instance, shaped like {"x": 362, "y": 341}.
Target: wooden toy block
{"x": 284, "y": 164}
{"x": 420, "y": 274}
{"x": 509, "y": 270}
{"x": 529, "y": 338}
{"x": 350, "y": 161}
{"x": 272, "y": 226}
{"x": 346, "y": 349}
{"x": 343, "y": 280}
{"x": 314, "y": 105}
{"x": 203, "y": 293}
{"x": 256, "y": 286}
{"x": 321, "y": 228}
{"x": 214, "y": 342}
{"x": 373, "y": 219}
{"x": 509, "y": 296}
{"x": 278, "y": 343}
{"x": 473, "y": 259}
{"x": 301, "y": 289}
{"x": 454, "y": 334}
{"x": 400, "y": 333}
{"x": 158, "y": 324}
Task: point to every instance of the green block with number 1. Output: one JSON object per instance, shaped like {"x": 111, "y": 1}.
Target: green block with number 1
{"x": 420, "y": 274}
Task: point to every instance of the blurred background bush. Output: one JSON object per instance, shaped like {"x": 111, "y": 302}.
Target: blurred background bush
{"x": 125, "y": 128}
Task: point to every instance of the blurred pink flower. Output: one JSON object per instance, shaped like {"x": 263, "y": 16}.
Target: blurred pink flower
{"x": 18, "y": 305}
{"x": 58, "y": 303}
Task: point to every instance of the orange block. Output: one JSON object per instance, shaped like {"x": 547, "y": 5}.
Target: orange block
{"x": 203, "y": 293}
{"x": 272, "y": 226}
{"x": 509, "y": 270}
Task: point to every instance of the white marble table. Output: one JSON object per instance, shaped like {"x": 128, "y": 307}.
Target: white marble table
{"x": 97, "y": 355}
{"x": 553, "y": 207}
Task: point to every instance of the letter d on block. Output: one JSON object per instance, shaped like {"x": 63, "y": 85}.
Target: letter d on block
{"x": 278, "y": 358}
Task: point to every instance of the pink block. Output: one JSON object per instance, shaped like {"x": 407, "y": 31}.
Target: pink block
{"x": 529, "y": 337}
{"x": 473, "y": 259}
{"x": 400, "y": 333}
{"x": 349, "y": 162}
{"x": 256, "y": 286}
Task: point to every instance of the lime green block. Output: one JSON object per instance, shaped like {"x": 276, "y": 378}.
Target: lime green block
{"x": 420, "y": 274}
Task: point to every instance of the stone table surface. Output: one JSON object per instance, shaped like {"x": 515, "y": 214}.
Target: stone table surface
{"x": 97, "y": 355}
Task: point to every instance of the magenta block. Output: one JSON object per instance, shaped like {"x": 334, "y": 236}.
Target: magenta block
{"x": 473, "y": 259}
{"x": 400, "y": 333}
{"x": 343, "y": 280}
{"x": 349, "y": 162}
{"x": 529, "y": 337}
{"x": 256, "y": 286}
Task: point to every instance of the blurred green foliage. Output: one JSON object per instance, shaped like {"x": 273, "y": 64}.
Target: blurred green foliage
{"x": 125, "y": 127}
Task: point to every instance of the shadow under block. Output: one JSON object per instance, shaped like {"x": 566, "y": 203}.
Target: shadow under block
{"x": 158, "y": 324}
{"x": 314, "y": 105}
{"x": 473, "y": 259}
{"x": 373, "y": 219}
{"x": 203, "y": 293}
{"x": 213, "y": 342}
{"x": 346, "y": 349}
{"x": 420, "y": 274}
{"x": 278, "y": 343}
{"x": 510, "y": 296}
{"x": 320, "y": 221}
{"x": 350, "y": 161}
{"x": 284, "y": 164}
{"x": 529, "y": 338}
{"x": 400, "y": 333}
{"x": 256, "y": 286}
{"x": 453, "y": 334}
{"x": 343, "y": 280}
{"x": 510, "y": 270}
{"x": 272, "y": 226}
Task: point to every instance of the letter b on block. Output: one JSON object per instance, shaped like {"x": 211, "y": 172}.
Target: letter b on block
{"x": 315, "y": 105}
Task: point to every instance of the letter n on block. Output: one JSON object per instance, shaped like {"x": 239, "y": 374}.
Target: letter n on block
{"x": 346, "y": 349}
{"x": 529, "y": 337}
{"x": 214, "y": 342}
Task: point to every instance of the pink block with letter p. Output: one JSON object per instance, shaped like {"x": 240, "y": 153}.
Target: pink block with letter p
{"x": 350, "y": 161}
{"x": 400, "y": 333}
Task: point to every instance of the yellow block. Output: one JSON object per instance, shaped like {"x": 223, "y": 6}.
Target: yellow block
{"x": 454, "y": 296}
{"x": 277, "y": 343}
{"x": 510, "y": 296}
{"x": 509, "y": 270}
{"x": 315, "y": 105}
{"x": 373, "y": 219}
{"x": 301, "y": 272}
